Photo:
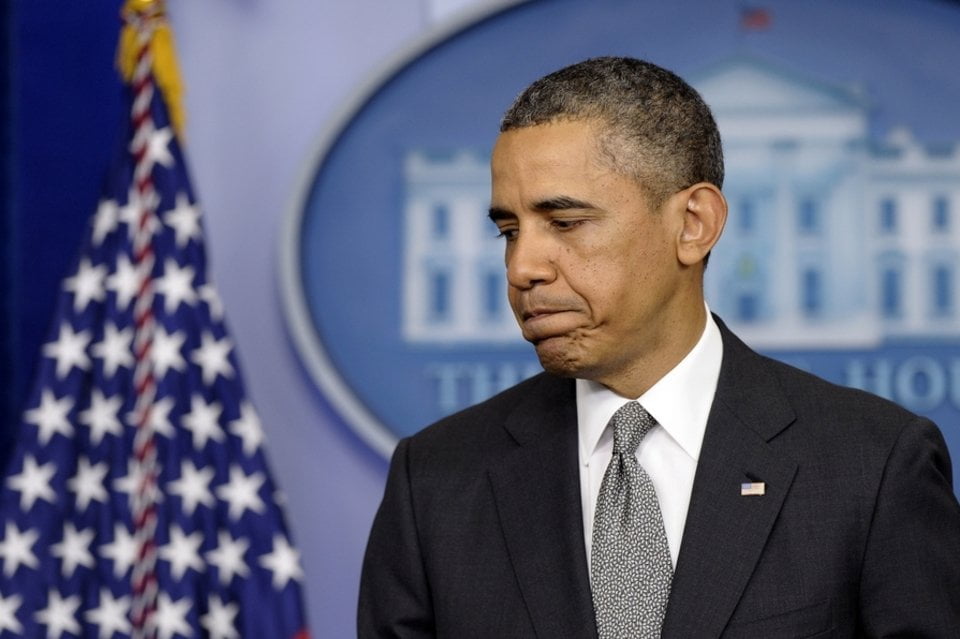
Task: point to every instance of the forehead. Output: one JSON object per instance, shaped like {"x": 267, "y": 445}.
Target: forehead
{"x": 564, "y": 157}
{"x": 563, "y": 152}
{"x": 558, "y": 141}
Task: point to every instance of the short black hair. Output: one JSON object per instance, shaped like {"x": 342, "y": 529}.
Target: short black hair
{"x": 654, "y": 126}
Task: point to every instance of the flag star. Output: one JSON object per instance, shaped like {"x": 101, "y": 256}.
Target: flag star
{"x": 60, "y": 615}
{"x": 202, "y": 421}
{"x": 33, "y": 483}
{"x": 283, "y": 561}
{"x": 153, "y": 143}
{"x": 69, "y": 350}
{"x": 124, "y": 282}
{"x": 228, "y": 557}
{"x": 159, "y": 420}
{"x": 170, "y": 617}
{"x": 134, "y": 482}
{"x": 123, "y": 550}
{"x": 193, "y": 487}
{"x": 219, "y": 620}
{"x": 132, "y": 212}
{"x": 208, "y": 293}
{"x": 176, "y": 285}
{"x": 130, "y": 483}
{"x": 87, "y": 484}
{"x": 182, "y": 551}
{"x": 184, "y": 218}
{"x": 213, "y": 357}
{"x": 110, "y": 616}
{"x": 105, "y": 221}
{"x": 101, "y": 416}
{"x": 248, "y": 428}
{"x": 16, "y": 549}
{"x": 8, "y": 614}
{"x": 74, "y": 549}
{"x": 114, "y": 349}
{"x": 241, "y": 492}
{"x": 165, "y": 352}
{"x": 86, "y": 285}
{"x": 50, "y": 417}
{"x": 158, "y": 146}
{"x": 129, "y": 213}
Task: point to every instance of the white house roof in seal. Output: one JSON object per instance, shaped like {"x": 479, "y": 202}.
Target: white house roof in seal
{"x": 744, "y": 84}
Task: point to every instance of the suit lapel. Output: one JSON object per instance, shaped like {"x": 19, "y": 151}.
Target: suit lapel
{"x": 725, "y": 532}
{"x": 537, "y": 492}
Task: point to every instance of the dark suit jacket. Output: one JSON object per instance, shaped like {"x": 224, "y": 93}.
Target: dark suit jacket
{"x": 480, "y": 531}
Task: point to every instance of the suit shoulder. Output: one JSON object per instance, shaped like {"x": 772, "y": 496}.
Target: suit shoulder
{"x": 838, "y": 420}
{"x": 768, "y": 388}
{"x": 806, "y": 390}
{"x": 476, "y": 423}
{"x": 821, "y": 416}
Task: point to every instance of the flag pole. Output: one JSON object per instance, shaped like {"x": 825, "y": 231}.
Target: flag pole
{"x": 143, "y": 18}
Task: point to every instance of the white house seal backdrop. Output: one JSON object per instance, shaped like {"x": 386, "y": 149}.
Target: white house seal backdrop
{"x": 841, "y": 254}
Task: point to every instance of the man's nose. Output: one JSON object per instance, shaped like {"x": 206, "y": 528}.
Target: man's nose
{"x": 530, "y": 260}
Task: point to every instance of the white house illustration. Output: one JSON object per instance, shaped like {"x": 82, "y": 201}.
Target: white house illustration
{"x": 833, "y": 239}
{"x": 454, "y": 289}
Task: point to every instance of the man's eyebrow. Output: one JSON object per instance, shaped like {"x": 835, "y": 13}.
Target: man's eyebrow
{"x": 558, "y": 203}
{"x": 561, "y": 203}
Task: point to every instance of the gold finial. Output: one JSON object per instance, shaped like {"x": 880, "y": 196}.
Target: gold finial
{"x": 147, "y": 17}
{"x": 143, "y": 6}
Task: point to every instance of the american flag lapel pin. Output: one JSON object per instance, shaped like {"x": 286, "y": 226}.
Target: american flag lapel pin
{"x": 751, "y": 488}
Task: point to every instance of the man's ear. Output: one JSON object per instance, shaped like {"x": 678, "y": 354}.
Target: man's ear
{"x": 704, "y": 215}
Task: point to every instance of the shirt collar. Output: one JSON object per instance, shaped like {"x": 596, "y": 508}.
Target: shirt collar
{"x": 680, "y": 401}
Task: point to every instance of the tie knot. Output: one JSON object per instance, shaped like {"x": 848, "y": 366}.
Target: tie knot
{"x": 631, "y": 423}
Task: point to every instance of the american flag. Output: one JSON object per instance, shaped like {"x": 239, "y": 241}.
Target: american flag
{"x": 138, "y": 502}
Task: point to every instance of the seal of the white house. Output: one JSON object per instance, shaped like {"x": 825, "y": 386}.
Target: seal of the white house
{"x": 842, "y": 249}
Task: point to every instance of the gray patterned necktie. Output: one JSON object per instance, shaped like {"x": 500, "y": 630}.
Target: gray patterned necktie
{"x": 630, "y": 566}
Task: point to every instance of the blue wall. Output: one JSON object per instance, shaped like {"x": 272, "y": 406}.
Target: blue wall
{"x": 62, "y": 103}
{"x": 6, "y": 235}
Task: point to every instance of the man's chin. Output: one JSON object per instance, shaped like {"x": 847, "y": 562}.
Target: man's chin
{"x": 556, "y": 357}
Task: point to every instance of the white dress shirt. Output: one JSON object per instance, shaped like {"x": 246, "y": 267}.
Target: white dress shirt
{"x": 680, "y": 402}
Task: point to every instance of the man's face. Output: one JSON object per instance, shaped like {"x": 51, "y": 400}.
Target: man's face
{"x": 593, "y": 273}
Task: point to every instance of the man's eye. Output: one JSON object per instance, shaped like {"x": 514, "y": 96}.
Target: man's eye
{"x": 507, "y": 233}
{"x": 565, "y": 225}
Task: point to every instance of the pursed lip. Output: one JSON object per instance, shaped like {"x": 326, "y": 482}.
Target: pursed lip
{"x": 542, "y": 323}
{"x": 535, "y": 313}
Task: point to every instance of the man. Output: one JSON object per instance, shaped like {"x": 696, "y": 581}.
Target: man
{"x": 736, "y": 497}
